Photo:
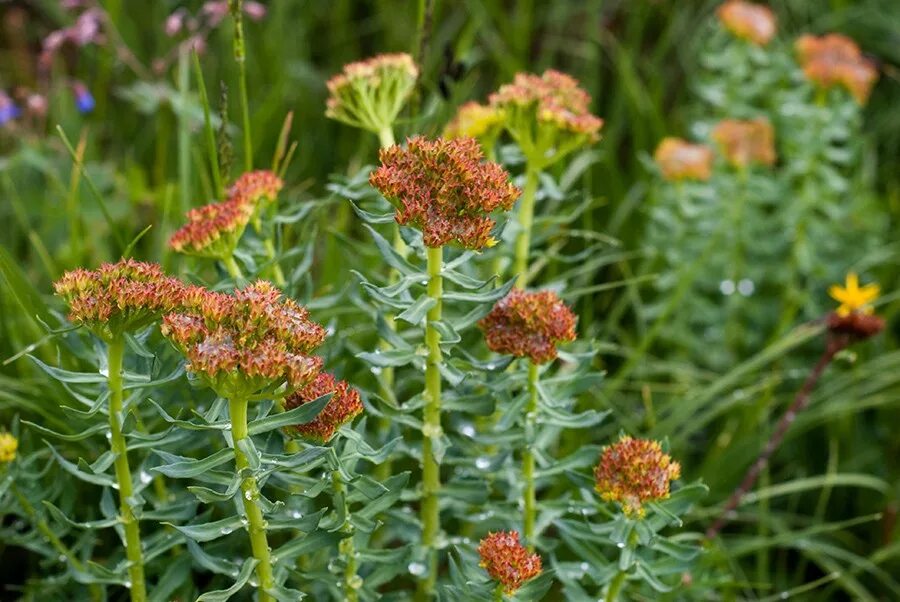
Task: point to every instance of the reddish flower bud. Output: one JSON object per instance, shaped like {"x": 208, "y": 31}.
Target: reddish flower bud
{"x": 529, "y": 325}
{"x": 835, "y": 60}
{"x": 119, "y": 297}
{"x": 746, "y": 142}
{"x": 633, "y": 472}
{"x": 443, "y": 188}
{"x": 213, "y": 230}
{"x": 680, "y": 160}
{"x": 748, "y": 21}
{"x": 343, "y": 407}
{"x": 507, "y": 561}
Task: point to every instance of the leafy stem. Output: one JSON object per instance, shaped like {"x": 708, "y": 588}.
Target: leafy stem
{"x": 346, "y": 547}
{"x": 256, "y": 525}
{"x": 234, "y": 270}
{"x": 526, "y": 220}
{"x": 115, "y": 355}
{"x": 431, "y": 428}
{"x": 531, "y": 409}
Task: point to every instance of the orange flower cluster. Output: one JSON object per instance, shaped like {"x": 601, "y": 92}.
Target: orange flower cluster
{"x": 369, "y": 94}
{"x": 748, "y": 21}
{"x": 745, "y": 142}
{"x": 343, "y": 407}
{"x": 557, "y": 99}
{"x": 445, "y": 189}
{"x": 529, "y": 325}
{"x": 680, "y": 160}
{"x": 215, "y": 229}
{"x": 634, "y": 471}
{"x": 507, "y": 561}
{"x": 835, "y": 60}
{"x": 246, "y": 343}
{"x": 119, "y": 297}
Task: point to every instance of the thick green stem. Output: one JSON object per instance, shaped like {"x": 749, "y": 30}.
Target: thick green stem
{"x": 115, "y": 354}
{"x": 498, "y": 593}
{"x": 431, "y": 427}
{"x": 256, "y": 525}
{"x": 277, "y": 274}
{"x": 615, "y": 586}
{"x": 386, "y": 137}
{"x": 526, "y": 219}
{"x": 528, "y": 455}
{"x": 352, "y": 582}
{"x": 237, "y": 14}
{"x": 234, "y": 270}
{"x": 184, "y": 130}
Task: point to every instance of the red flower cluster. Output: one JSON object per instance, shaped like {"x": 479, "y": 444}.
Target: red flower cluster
{"x": 529, "y": 325}
{"x": 369, "y": 94}
{"x": 119, "y": 297}
{"x": 746, "y": 142}
{"x": 343, "y": 407}
{"x": 748, "y": 21}
{"x": 215, "y": 229}
{"x": 256, "y": 188}
{"x": 835, "y": 60}
{"x": 246, "y": 343}
{"x": 680, "y": 160}
{"x": 634, "y": 471}
{"x": 444, "y": 188}
{"x": 507, "y": 561}
{"x": 557, "y": 98}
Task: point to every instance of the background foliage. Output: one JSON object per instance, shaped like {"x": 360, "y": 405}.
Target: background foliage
{"x": 823, "y": 517}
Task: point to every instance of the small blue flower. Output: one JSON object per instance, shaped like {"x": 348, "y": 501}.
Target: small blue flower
{"x": 8, "y": 109}
{"x": 83, "y": 98}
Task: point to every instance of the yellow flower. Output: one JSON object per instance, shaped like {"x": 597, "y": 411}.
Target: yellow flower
{"x": 852, "y": 297}
{"x": 8, "y": 447}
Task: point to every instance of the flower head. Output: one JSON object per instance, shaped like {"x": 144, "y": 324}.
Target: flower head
{"x": 529, "y": 325}
{"x": 247, "y": 343}
{"x": 84, "y": 100}
{"x": 9, "y": 110}
{"x": 119, "y": 297}
{"x": 853, "y": 298}
{"x": 634, "y": 471}
{"x": 369, "y": 94}
{"x": 748, "y": 21}
{"x": 745, "y": 142}
{"x": 835, "y": 60}
{"x": 443, "y": 188}
{"x": 8, "y": 446}
{"x": 475, "y": 120}
{"x": 680, "y": 160}
{"x": 343, "y": 407}
{"x": 548, "y": 115}
{"x": 213, "y": 230}
{"x": 507, "y": 561}
{"x": 256, "y": 187}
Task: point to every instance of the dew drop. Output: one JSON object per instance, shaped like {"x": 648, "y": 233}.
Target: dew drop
{"x": 109, "y": 435}
{"x": 467, "y": 430}
{"x": 620, "y": 545}
{"x": 248, "y": 495}
{"x": 376, "y": 370}
{"x": 726, "y": 287}
{"x": 146, "y": 477}
{"x": 225, "y": 530}
{"x": 296, "y": 514}
{"x": 127, "y": 584}
{"x": 482, "y": 463}
{"x": 355, "y": 582}
{"x": 746, "y": 287}
{"x": 416, "y": 568}
{"x": 584, "y": 567}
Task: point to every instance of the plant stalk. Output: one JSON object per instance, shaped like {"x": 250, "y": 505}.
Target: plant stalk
{"x": 234, "y": 270}
{"x": 256, "y": 525}
{"x": 526, "y": 220}
{"x": 528, "y": 455}
{"x": 835, "y": 345}
{"x": 133, "y": 551}
{"x": 237, "y": 15}
{"x": 346, "y": 547}
{"x": 615, "y": 586}
{"x": 498, "y": 593}
{"x": 431, "y": 427}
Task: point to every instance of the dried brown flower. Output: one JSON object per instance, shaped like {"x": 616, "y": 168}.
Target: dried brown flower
{"x": 748, "y": 21}
{"x": 507, "y": 561}
{"x": 343, "y": 407}
{"x": 529, "y": 325}
{"x": 745, "y": 142}
{"x": 680, "y": 160}
{"x": 835, "y": 60}
{"x": 632, "y": 472}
